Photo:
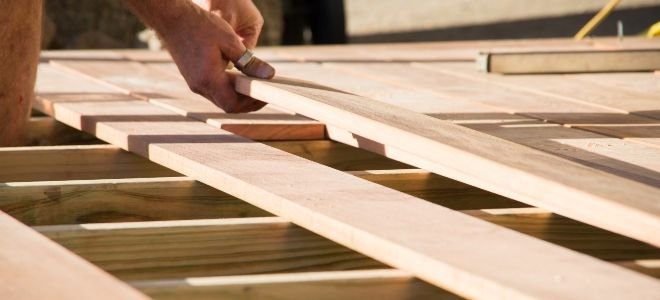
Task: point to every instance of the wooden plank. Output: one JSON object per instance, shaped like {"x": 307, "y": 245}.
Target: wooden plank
{"x": 580, "y": 61}
{"x": 386, "y": 284}
{"x": 198, "y": 248}
{"x": 630, "y": 160}
{"x": 118, "y": 200}
{"x": 477, "y": 160}
{"x": 432, "y": 242}
{"x": 171, "y": 91}
{"x": 74, "y": 163}
{"x": 644, "y": 82}
{"x": 564, "y": 87}
{"x": 563, "y": 111}
{"x": 569, "y": 233}
{"x": 34, "y": 267}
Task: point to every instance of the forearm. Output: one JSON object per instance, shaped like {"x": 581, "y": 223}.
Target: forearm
{"x": 20, "y": 34}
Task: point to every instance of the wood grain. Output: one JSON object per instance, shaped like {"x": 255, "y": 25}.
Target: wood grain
{"x": 58, "y": 275}
{"x": 429, "y": 241}
{"x": 476, "y": 160}
{"x": 581, "y": 61}
{"x": 627, "y": 159}
{"x": 74, "y": 163}
{"x": 118, "y": 200}
{"x": 197, "y": 248}
{"x": 171, "y": 91}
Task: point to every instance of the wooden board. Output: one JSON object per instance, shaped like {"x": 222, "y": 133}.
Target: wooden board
{"x": 627, "y": 159}
{"x": 582, "y": 61}
{"x": 197, "y": 248}
{"x": 23, "y": 279}
{"x": 429, "y": 241}
{"x": 475, "y": 158}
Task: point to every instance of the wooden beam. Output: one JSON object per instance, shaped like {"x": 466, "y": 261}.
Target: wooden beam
{"x": 34, "y": 267}
{"x": 385, "y": 284}
{"x": 74, "y": 163}
{"x": 432, "y": 242}
{"x": 476, "y": 158}
{"x": 579, "y": 61}
{"x": 194, "y": 248}
{"x": 119, "y": 200}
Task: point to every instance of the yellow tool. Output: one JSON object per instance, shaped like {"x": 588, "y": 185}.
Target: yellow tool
{"x": 596, "y": 20}
{"x": 654, "y": 31}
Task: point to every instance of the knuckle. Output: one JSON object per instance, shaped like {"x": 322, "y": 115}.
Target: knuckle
{"x": 200, "y": 86}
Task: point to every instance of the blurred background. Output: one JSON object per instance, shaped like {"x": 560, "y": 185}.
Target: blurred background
{"x": 95, "y": 24}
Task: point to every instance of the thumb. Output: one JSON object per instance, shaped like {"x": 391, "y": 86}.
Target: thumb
{"x": 233, "y": 48}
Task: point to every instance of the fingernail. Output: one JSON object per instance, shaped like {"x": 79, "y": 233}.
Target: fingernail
{"x": 260, "y": 69}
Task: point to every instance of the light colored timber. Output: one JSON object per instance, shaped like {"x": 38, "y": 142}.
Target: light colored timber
{"x": 565, "y": 87}
{"x": 198, "y": 248}
{"x": 637, "y": 82}
{"x": 453, "y": 103}
{"x": 45, "y": 131}
{"x": 74, "y": 163}
{"x": 432, "y": 242}
{"x": 33, "y": 267}
{"x": 578, "y": 114}
{"x": 385, "y": 284}
{"x": 118, "y": 200}
{"x": 476, "y": 158}
{"x": 580, "y": 61}
{"x": 171, "y": 91}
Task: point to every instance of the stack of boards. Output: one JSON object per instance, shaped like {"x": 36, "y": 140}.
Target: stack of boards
{"x": 375, "y": 172}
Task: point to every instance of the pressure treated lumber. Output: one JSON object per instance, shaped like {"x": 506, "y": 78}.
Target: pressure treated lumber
{"x": 385, "y": 284}
{"x": 453, "y": 103}
{"x": 597, "y": 198}
{"x": 432, "y": 242}
{"x": 581, "y": 61}
{"x": 197, "y": 248}
{"x": 74, "y": 163}
{"x": 33, "y": 267}
{"x": 118, "y": 200}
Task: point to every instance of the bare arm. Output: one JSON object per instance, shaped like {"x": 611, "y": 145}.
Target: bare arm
{"x": 203, "y": 41}
{"x": 20, "y": 39}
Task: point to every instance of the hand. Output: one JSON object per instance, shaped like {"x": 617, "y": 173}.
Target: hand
{"x": 202, "y": 42}
{"x": 241, "y": 15}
